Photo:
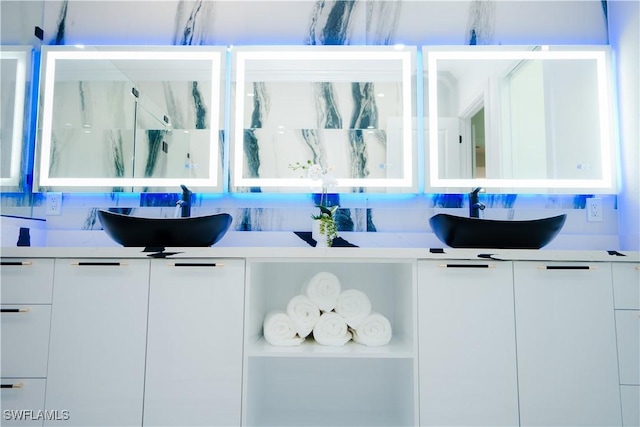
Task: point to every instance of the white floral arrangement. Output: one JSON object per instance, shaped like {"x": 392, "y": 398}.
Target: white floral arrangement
{"x": 317, "y": 172}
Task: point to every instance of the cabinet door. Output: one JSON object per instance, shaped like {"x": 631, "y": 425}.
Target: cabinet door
{"x": 567, "y": 367}
{"x": 628, "y": 332}
{"x": 25, "y": 340}
{"x": 26, "y": 281}
{"x": 626, "y": 285}
{"x": 630, "y": 405}
{"x": 97, "y": 350}
{"x": 467, "y": 344}
{"x": 194, "y": 356}
{"x": 22, "y": 402}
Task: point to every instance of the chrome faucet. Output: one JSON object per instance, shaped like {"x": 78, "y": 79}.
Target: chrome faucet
{"x": 474, "y": 203}
{"x": 185, "y": 202}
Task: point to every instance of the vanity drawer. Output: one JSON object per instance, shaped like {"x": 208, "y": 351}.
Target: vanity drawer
{"x": 26, "y": 281}
{"x": 628, "y": 331}
{"x": 25, "y": 340}
{"x": 630, "y": 405}
{"x": 626, "y": 285}
{"x": 22, "y": 401}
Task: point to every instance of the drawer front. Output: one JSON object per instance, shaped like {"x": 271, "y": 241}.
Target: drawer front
{"x": 628, "y": 331}
{"x": 630, "y": 405}
{"x": 25, "y": 340}
{"x": 23, "y": 402}
{"x": 626, "y": 285}
{"x": 26, "y": 281}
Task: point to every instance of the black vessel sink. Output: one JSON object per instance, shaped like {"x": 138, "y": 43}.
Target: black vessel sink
{"x": 461, "y": 232}
{"x": 134, "y": 231}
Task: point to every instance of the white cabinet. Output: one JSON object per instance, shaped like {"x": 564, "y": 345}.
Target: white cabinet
{"x": 467, "y": 344}
{"x": 23, "y": 402}
{"x": 26, "y": 281}
{"x": 630, "y": 396}
{"x": 626, "y": 285}
{"x": 628, "y": 332}
{"x": 313, "y": 384}
{"x": 194, "y": 343}
{"x": 567, "y": 364}
{"x": 26, "y": 288}
{"x": 98, "y": 336}
{"x": 626, "y": 292}
{"x": 25, "y": 340}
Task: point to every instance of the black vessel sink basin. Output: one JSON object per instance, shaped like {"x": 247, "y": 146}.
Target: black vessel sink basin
{"x": 461, "y": 232}
{"x": 134, "y": 231}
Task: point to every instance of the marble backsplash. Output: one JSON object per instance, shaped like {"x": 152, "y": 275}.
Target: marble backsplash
{"x": 373, "y": 220}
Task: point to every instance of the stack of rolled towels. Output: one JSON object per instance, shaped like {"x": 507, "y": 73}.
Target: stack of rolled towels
{"x": 329, "y": 314}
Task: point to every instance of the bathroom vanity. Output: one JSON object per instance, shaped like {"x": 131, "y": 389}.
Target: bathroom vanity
{"x": 112, "y": 336}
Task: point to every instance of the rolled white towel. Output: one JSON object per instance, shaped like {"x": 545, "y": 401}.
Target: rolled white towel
{"x": 323, "y": 289}
{"x": 354, "y": 306}
{"x": 375, "y": 330}
{"x": 331, "y": 329}
{"x": 278, "y": 329}
{"x": 303, "y": 313}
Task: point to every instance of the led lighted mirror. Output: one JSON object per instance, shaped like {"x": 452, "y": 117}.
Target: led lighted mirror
{"x": 130, "y": 118}
{"x": 527, "y": 119}
{"x": 14, "y": 67}
{"x": 346, "y": 108}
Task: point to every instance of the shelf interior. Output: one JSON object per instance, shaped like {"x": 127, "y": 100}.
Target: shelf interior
{"x": 389, "y": 286}
{"x": 330, "y": 392}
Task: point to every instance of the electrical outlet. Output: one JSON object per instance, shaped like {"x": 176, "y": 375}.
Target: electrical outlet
{"x": 54, "y": 204}
{"x": 594, "y": 210}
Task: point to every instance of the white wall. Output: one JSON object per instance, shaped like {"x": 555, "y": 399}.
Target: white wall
{"x": 624, "y": 34}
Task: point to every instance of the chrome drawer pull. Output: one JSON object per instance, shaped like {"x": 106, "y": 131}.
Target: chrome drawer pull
{"x": 14, "y": 310}
{"x": 16, "y": 385}
{"x": 16, "y": 263}
{"x": 567, "y": 267}
{"x": 98, "y": 264}
{"x": 467, "y": 265}
{"x": 195, "y": 264}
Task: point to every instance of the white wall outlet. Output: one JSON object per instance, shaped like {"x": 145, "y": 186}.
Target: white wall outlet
{"x": 594, "y": 210}
{"x": 53, "y": 204}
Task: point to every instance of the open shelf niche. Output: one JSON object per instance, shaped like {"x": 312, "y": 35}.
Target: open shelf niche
{"x": 313, "y": 384}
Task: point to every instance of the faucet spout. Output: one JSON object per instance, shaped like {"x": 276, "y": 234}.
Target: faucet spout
{"x": 185, "y": 202}
{"x": 475, "y": 206}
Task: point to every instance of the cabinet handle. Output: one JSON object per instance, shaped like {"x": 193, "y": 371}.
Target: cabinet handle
{"x": 16, "y": 385}
{"x": 98, "y": 264}
{"x": 467, "y": 265}
{"x": 195, "y": 264}
{"x": 567, "y": 267}
{"x": 16, "y": 263}
{"x": 14, "y": 310}
{"x": 637, "y": 267}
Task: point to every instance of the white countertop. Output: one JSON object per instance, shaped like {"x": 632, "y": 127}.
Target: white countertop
{"x": 326, "y": 253}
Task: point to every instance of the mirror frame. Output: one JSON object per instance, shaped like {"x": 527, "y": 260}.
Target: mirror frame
{"x": 22, "y": 54}
{"x": 601, "y": 54}
{"x": 405, "y": 55}
{"x": 51, "y": 54}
